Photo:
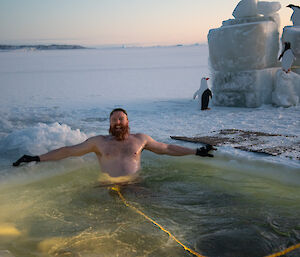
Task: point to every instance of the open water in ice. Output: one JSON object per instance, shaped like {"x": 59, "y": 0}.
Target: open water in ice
{"x": 236, "y": 204}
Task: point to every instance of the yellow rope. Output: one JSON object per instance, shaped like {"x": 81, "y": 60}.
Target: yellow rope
{"x": 117, "y": 189}
{"x": 285, "y": 251}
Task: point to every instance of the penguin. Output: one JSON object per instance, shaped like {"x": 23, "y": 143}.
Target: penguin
{"x": 205, "y": 99}
{"x": 203, "y": 94}
{"x": 295, "y": 18}
{"x": 287, "y": 57}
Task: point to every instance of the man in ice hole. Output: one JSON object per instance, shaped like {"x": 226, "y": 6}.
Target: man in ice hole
{"x": 119, "y": 153}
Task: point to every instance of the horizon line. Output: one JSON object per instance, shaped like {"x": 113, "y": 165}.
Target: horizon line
{"x": 104, "y": 45}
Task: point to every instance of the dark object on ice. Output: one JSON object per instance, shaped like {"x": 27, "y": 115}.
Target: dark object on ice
{"x": 205, "y": 99}
{"x": 27, "y": 158}
{"x": 203, "y": 151}
{"x": 251, "y": 141}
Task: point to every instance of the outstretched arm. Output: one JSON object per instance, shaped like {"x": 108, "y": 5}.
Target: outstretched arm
{"x": 68, "y": 151}
{"x": 61, "y": 153}
{"x": 175, "y": 150}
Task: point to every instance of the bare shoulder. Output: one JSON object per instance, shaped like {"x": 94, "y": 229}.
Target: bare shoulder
{"x": 95, "y": 143}
{"x": 142, "y": 136}
{"x": 96, "y": 139}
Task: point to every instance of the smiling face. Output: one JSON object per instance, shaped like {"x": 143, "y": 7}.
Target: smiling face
{"x": 119, "y": 125}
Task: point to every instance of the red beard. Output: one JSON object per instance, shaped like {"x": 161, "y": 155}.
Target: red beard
{"x": 119, "y": 134}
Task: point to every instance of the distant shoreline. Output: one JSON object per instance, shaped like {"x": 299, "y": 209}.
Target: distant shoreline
{"x": 41, "y": 47}
{"x": 8, "y": 47}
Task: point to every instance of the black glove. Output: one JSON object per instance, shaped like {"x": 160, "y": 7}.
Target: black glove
{"x": 203, "y": 151}
{"x": 27, "y": 158}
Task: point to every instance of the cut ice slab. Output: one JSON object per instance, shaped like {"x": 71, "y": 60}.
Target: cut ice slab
{"x": 273, "y": 17}
{"x": 243, "y": 88}
{"x": 268, "y": 8}
{"x": 245, "y": 8}
{"x": 245, "y": 46}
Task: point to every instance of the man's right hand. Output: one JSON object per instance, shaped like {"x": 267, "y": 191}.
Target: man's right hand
{"x": 27, "y": 158}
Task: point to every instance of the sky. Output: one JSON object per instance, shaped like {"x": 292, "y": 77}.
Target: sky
{"x": 116, "y": 22}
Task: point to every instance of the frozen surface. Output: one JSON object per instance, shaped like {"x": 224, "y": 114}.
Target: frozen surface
{"x": 97, "y": 76}
{"x": 42, "y": 138}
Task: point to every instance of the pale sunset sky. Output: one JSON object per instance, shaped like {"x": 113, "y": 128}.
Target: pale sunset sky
{"x": 106, "y": 22}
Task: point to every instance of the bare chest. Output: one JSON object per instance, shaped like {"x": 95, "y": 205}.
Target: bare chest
{"x": 122, "y": 149}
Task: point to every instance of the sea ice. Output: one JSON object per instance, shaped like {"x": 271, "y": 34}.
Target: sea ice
{"x": 42, "y": 138}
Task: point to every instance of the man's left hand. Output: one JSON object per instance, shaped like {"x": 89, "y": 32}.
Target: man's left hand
{"x": 203, "y": 151}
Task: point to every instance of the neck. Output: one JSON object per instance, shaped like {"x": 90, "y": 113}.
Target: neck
{"x": 122, "y": 138}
